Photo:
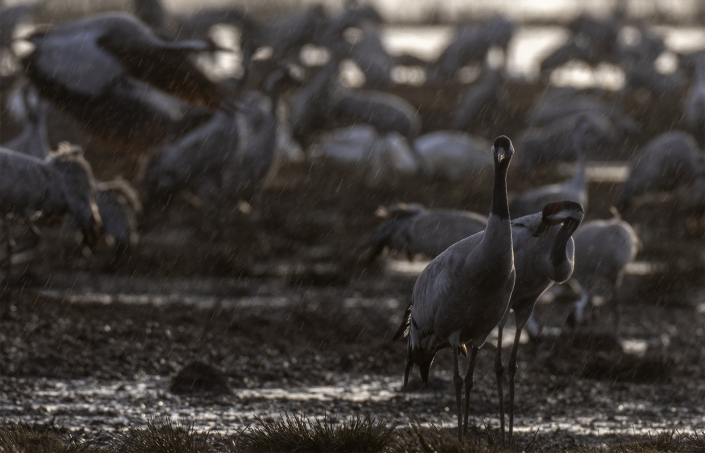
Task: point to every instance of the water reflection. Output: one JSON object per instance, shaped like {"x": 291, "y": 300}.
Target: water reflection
{"x": 110, "y": 405}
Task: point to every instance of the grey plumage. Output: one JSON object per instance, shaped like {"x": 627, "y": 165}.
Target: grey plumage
{"x": 413, "y": 230}
{"x": 96, "y": 70}
{"x": 111, "y": 47}
{"x": 665, "y": 163}
{"x": 369, "y": 54}
{"x": 559, "y": 104}
{"x": 572, "y": 50}
{"x": 386, "y": 112}
{"x": 575, "y": 189}
{"x": 290, "y": 32}
{"x": 119, "y": 204}
{"x": 227, "y": 157}
{"x": 463, "y": 293}
{"x": 60, "y": 184}
{"x": 554, "y": 142}
{"x": 117, "y": 201}
{"x": 308, "y": 108}
{"x": 695, "y": 204}
{"x": 151, "y": 12}
{"x": 196, "y": 161}
{"x": 543, "y": 255}
{"x": 478, "y": 101}
{"x": 645, "y": 51}
{"x": 694, "y": 106}
{"x": 10, "y": 18}
{"x": 645, "y": 75}
{"x": 244, "y": 175}
{"x": 33, "y": 140}
{"x": 601, "y": 34}
{"x": 470, "y": 45}
{"x": 192, "y": 26}
{"x": 453, "y": 155}
{"x": 603, "y": 249}
{"x": 352, "y": 16}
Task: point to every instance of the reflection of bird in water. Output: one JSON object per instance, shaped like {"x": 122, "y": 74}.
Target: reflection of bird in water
{"x": 464, "y": 293}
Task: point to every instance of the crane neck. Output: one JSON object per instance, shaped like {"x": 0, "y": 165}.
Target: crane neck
{"x": 578, "y": 178}
{"x": 558, "y": 251}
{"x": 700, "y": 69}
{"x": 500, "y": 205}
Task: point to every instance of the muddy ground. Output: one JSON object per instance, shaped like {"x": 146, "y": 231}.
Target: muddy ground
{"x": 286, "y": 306}
{"x": 96, "y": 363}
{"x": 298, "y": 324}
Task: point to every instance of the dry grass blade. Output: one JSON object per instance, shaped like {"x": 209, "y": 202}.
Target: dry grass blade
{"x": 694, "y": 443}
{"x": 664, "y": 442}
{"x": 297, "y": 434}
{"x": 163, "y": 436}
{"x": 418, "y": 439}
{"x": 23, "y": 438}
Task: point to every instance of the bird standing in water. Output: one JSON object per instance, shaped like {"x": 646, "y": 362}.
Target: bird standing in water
{"x": 464, "y": 293}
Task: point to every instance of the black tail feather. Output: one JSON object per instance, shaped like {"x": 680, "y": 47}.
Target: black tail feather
{"x": 404, "y": 327}
{"x": 425, "y": 368}
{"x": 409, "y": 365}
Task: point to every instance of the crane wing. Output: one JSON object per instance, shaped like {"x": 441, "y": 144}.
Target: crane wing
{"x": 75, "y": 61}
{"x": 436, "y": 283}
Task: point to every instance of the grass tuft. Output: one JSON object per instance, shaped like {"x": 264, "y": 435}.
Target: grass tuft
{"x": 694, "y": 443}
{"x": 418, "y": 439}
{"x": 163, "y": 436}
{"x": 26, "y": 438}
{"x": 297, "y": 434}
{"x": 664, "y": 442}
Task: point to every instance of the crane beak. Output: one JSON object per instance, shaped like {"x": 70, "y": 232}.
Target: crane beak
{"x": 541, "y": 229}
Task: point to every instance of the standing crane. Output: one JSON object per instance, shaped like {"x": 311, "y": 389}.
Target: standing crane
{"x": 543, "y": 255}
{"x": 464, "y": 293}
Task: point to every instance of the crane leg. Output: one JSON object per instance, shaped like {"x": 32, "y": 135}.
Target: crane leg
{"x": 469, "y": 383}
{"x": 7, "y": 265}
{"x": 512, "y": 372}
{"x": 458, "y": 391}
{"x": 617, "y": 300}
{"x": 499, "y": 372}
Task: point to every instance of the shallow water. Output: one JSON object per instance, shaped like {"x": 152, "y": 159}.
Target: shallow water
{"x": 108, "y": 405}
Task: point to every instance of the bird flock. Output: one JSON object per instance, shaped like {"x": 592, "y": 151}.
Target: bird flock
{"x": 131, "y": 83}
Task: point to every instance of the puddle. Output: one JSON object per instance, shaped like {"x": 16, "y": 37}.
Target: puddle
{"x": 110, "y": 405}
{"x": 208, "y": 302}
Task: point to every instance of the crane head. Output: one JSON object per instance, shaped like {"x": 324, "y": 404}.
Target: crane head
{"x": 502, "y": 150}
{"x": 557, "y": 212}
